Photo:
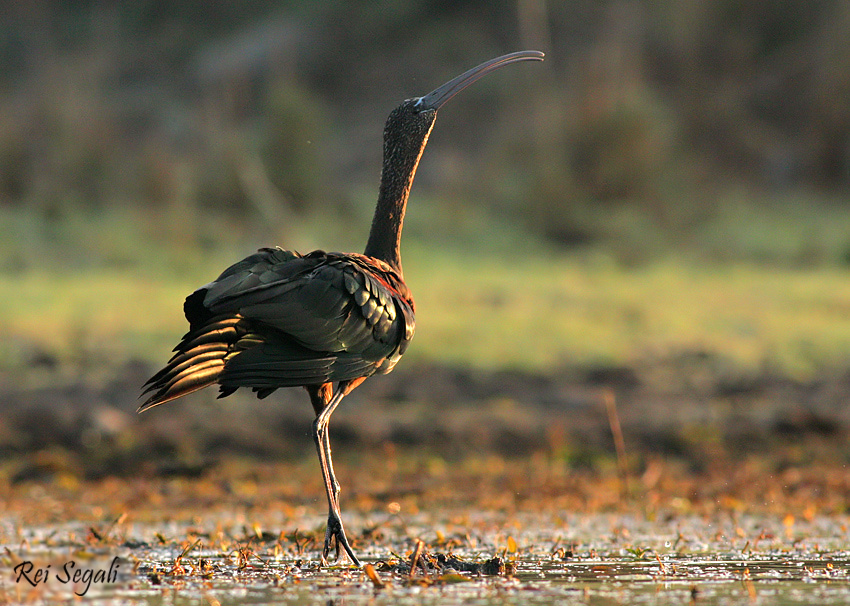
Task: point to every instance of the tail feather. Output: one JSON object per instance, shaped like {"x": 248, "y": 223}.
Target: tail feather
{"x": 198, "y": 362}
{"x": 189, "y": 368}
{"x": 196, "y": 355}
{"x": 193, "y": 379}
{"x": 183, "y": 360}
{"x": 221, "y": 331}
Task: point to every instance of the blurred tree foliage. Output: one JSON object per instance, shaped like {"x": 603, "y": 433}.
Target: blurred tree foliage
{"x": 249, "y": 106}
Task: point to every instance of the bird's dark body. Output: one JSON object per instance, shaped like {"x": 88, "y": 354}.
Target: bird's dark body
{"x": 322, "y": 321}
{"x": 280, "y": 319}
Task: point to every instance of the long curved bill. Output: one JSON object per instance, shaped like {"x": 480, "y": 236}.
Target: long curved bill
{"x": 437, "y": 97}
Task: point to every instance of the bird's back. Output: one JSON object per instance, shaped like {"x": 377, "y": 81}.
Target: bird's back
{"x": 281, "y": 319}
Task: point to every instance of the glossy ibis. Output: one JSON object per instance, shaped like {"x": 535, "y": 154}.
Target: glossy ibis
{"x": 282, "y": 319}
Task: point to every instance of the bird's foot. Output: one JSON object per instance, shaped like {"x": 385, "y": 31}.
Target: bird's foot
{"x": 335, "y": 535}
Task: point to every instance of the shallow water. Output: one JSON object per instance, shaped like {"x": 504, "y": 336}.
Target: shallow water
{"x": 596, "y": 559}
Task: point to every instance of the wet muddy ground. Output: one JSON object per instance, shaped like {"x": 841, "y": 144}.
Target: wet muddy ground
{"x": 487, "y": 531}
{"x": 524, "y": 559}
{"x": 724, "y": 490}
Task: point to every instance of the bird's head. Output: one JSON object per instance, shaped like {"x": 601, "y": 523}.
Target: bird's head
{"x": 407, "y": 129}
{"x": 409, "y": 124}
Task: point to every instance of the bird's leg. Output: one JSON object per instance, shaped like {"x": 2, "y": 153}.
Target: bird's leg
{"x": 320, "y": 397}
{"x": 335, "y": 532}
{"x": 334, "y": 483}
{"x": 334, "y": 527}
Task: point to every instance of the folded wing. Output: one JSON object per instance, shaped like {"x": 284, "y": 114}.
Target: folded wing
{"x": 280, "y": 319}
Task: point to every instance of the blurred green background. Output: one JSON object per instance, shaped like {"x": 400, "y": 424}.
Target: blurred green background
{"x": 661, "y": 207}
